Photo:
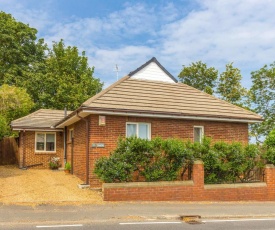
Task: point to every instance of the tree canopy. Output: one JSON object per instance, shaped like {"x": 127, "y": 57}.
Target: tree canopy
{"x": 262, "y": 95}
{"x": 19, "y": 50}
{"x": 229, "y": 87}
{"x": 33, "y": 75}
{"x": 14, "y": 103}
{"x": 199, "y": 76}
{"x": 67, "y": 79}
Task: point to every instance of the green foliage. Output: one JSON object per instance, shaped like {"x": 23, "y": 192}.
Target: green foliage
{"x": 14, "y": 103}
{"x": 229, "y": 86}
{"x": 269, "y": 144}
{"x": 19, "y": 50}
{"x": 55, "y": 78}
{"x": 166, "y": 160}
{"x": 230, "y": 162}
{"x": 262, "y": 94}
{"x": 199, "y": 76}
{"x": 4, "y": 127}
{"x": 67, "y": 166}
{"x": 154, "y": 160}
{"x": 67, "y": 79}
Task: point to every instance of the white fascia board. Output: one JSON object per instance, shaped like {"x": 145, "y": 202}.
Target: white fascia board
{"x": 172, "y": 116}
{"x": 71, "y": 119}
{"x": 37, "y": 130}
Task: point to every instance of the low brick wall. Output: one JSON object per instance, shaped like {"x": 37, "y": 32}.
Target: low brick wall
{"x": 193, "y": 190}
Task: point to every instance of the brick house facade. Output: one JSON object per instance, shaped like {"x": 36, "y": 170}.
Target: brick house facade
{"x": 115, "y": 127}
{"x": 29, "y": 157}
{"x": 147, "y": 103}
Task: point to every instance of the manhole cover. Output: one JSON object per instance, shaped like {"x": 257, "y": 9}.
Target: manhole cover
{"x": 191, "y": 219}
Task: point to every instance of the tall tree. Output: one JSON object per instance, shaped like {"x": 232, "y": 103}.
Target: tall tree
{"x": 67, "y": 80}
{"x": 19, "y": 50}
{"x": 14, "y": 103}
{"x": 262, "y": 95}
{"x": 229, "y": 85}
{"x": 199, "y": 76}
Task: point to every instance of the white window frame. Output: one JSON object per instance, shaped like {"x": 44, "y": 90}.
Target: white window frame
{"x": 44, "y": 151}
{"x": 137, "y": 124}
{"x": 202, "y": 132}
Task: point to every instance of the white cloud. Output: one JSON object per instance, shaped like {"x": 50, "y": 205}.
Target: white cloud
{"x": 223, "y": 31}
{"x": 216, "y": 32}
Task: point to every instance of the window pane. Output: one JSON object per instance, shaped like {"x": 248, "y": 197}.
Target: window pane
{"x": 71, "y": 134}
{"x": 50, "y": 139}
{"x": 131, "y": 130}
{"x": 143, "y": 131}
{"x": 197, "y": 134}
{"x": 40, "y": 140}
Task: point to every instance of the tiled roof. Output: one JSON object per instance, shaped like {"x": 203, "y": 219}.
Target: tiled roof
{"x": 43, "y": 118}
{"x": 143, "y": 96}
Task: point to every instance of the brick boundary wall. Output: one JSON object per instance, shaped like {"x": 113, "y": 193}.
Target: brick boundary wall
{"x": 193, "y": 190}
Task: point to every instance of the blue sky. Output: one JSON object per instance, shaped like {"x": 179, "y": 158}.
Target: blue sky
{"x": 129, "y": 33}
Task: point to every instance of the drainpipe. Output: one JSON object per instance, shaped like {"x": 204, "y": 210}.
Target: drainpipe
{"x": 65, "y": 138}
{"x": 23, "y": 146}
{"x": 65, "y": 145}
{"x": 87, "y": 146}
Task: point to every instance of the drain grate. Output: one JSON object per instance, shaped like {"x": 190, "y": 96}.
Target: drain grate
{"x": 191, "y": 219}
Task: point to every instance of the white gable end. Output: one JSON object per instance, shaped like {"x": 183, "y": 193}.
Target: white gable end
{"x": 152, "y": 72}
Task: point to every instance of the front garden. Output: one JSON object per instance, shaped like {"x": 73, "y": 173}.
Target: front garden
{"x": 172, "y": 159}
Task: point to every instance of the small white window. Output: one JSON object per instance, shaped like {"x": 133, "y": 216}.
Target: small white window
{"x": 45, "y": 142}
{"x": 198, "y": 133}
{"x": 140, "y": 130}
{"x": 71, "y": 134}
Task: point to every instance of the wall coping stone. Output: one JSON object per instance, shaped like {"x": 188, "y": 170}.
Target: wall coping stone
{"x": 269, "y": 166}
{"x": 198, "y": 162}
{"x": 239, "y": 185}
{"x": 148, "y": 184}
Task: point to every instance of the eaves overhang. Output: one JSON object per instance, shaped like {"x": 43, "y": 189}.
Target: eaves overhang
{"x": 85, "y": 111}
{"x": 46, "y": 129}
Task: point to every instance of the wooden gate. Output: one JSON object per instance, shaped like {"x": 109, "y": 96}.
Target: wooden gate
{"x": 8, "y": 151}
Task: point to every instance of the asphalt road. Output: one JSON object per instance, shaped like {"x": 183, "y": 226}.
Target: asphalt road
{"x": 240, "y": 224}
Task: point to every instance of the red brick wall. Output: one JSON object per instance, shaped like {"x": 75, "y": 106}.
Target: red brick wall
{"x": 194, "y": 191}
{"x": 116, "y": 127}
{"x": 27, "y": 154}
{"x": 78, "y": 152}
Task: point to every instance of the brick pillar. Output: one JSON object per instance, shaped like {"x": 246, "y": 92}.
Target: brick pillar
{"x": 198, "y": 173}
{"x": 270, "y": 180}
{"x": 198, "y": 179}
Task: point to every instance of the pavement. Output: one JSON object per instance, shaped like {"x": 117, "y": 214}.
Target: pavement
{"x": 134, "y": 211}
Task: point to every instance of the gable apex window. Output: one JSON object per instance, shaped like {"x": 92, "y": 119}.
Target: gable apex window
{"x": 198, "y": 133}
{"x": 45, "y": 142}
{"x": 138, "y": 129}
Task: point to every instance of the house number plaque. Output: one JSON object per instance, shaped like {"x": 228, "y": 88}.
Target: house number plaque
{"x": 98, "y": 145}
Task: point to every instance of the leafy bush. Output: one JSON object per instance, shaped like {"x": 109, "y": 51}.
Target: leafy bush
{"x": 154, "y": 160}
{"x": 170, "y": 159}
{"x": 269, "y": 145}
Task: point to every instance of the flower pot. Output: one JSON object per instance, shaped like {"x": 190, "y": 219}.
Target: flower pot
{"x": 67, "y": 171}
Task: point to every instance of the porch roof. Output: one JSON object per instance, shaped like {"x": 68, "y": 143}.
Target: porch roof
{"x": 42, "y": 119}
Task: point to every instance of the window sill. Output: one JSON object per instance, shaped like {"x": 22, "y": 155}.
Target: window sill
{"x": 45, "y": 152}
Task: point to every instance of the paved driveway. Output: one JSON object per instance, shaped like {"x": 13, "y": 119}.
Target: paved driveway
{"x": 39, "y": 186}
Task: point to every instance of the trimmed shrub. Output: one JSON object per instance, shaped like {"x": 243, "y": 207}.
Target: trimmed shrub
{"x": 170, "y": 159}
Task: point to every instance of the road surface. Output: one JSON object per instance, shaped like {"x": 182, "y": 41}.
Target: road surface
{"x": 227, "y": 224}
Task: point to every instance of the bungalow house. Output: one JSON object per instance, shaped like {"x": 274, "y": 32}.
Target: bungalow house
{"x": 147, "y": 103}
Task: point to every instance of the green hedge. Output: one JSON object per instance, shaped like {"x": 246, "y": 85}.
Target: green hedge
{"x": 168, "y": 160}
{"x": 269, "y": 146}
